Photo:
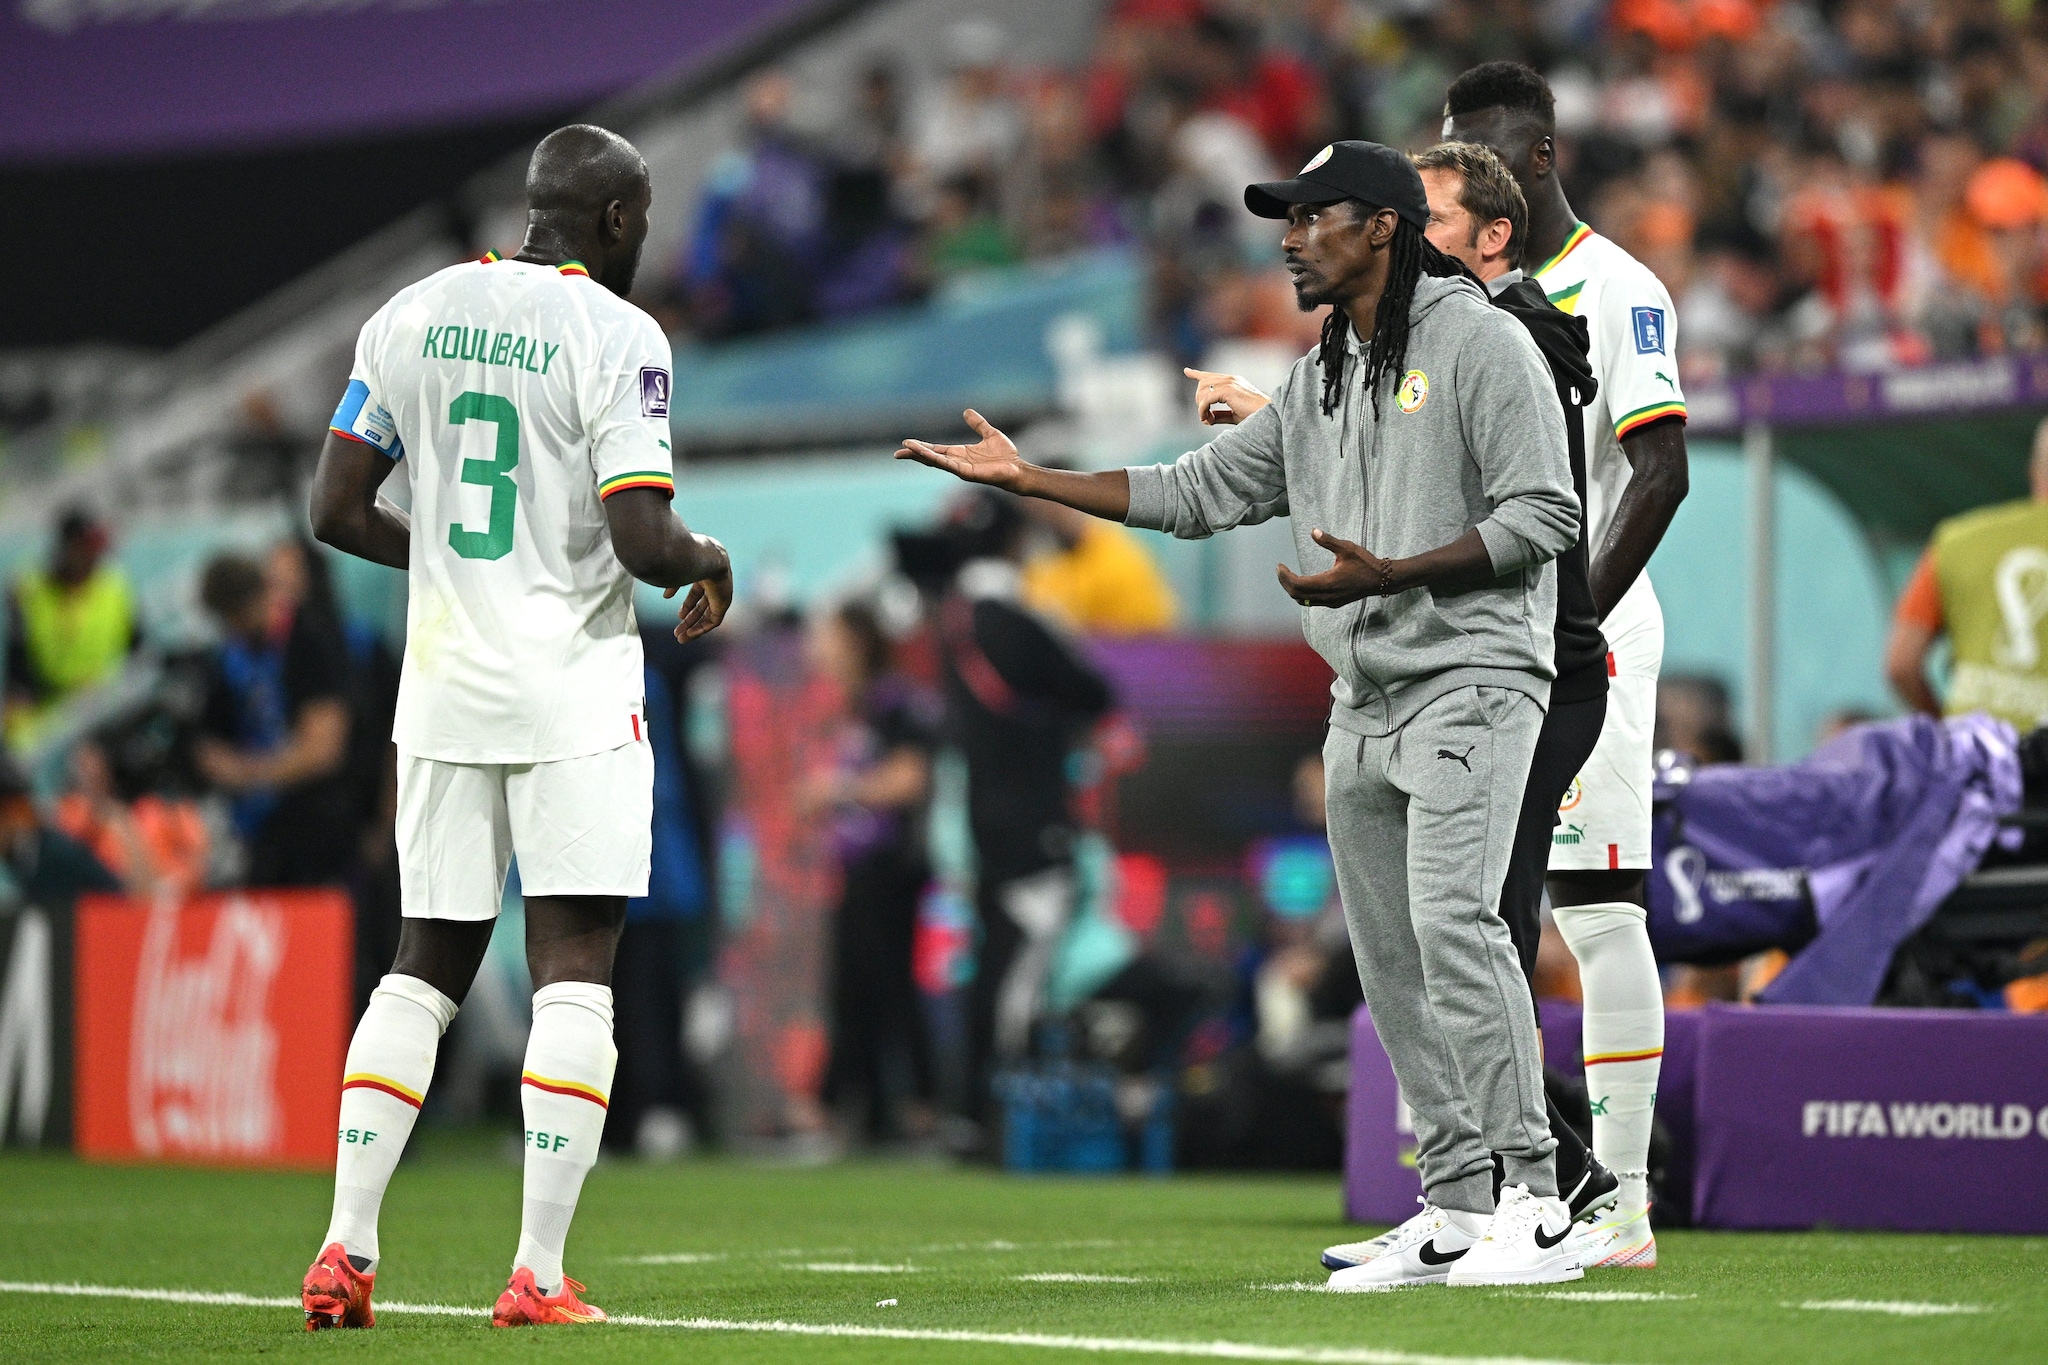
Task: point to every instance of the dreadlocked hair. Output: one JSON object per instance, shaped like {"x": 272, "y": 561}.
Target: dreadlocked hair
{"x": 1386, "y": 351}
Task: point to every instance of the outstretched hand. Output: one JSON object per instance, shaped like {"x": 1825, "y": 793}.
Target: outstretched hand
{"x": 992, "y": 460}
{"x": 1224, "y": 399}
{"x": 1357, "y": 573}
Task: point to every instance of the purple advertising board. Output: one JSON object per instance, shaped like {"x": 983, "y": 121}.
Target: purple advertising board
{"x": 1913, "y": 1120}
{"x": 1836, "y": 398}
{"x": 1795, "y": 1116}
{"x": 1380, "y": 1183}
{"x": 96, "y": 78}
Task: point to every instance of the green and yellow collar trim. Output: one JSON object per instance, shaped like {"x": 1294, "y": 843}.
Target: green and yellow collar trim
{"x": 1579, "y": 234}
{"x": 566, "y": 267}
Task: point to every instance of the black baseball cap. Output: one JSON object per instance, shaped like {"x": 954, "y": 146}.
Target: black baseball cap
{"x": 1365, "y": 171}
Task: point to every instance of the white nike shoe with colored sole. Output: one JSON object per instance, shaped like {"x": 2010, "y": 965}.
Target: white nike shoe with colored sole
{"x": 1345, "y": 1255}
{"x": 1526, "y": 1243}
{"x": 1616, "y": 1239}
{"x": 1420, "y": 1251}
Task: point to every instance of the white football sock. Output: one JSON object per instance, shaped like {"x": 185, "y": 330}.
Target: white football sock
{"x": 566, "y": 1086}
{"x": 390, "y": 1064}
{"x": 1624, "y": 1035}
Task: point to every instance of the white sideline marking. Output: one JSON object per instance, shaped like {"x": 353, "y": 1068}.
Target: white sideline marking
{"x": 853, "y": 1268}
{"x": 792, "y": 1253}
{"x": 219, "y": 1300}
{"x": 1903, "y": 1309}
{"x": 1210, "y": 1350}
{"x": 1325, "y": 1287}
{"x": 1606, "y": 1296}
{"x": 676, "y": 1258}
{"x": 1091, "y": 1243}
{"x": 1075, "y": 1277}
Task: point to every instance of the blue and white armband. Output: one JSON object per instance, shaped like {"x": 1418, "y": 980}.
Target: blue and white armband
{"x": 359, "y": 418}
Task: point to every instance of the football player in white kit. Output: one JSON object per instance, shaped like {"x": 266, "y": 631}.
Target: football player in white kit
{"x": 1636, "y": 477}
{"x": 527, "y": 402}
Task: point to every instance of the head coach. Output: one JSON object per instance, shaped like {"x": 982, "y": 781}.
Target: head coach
{"x": 1420, "y": 451}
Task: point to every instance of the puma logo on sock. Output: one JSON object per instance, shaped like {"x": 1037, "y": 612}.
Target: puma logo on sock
{"x": 1458, "y": 759}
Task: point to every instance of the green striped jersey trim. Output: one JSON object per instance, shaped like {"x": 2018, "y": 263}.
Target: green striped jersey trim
{"x": 1627, "y": 420}
{"x": 654, "y": 475}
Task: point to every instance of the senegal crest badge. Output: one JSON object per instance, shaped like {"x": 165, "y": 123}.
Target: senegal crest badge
{"x": 1413, "y": 391}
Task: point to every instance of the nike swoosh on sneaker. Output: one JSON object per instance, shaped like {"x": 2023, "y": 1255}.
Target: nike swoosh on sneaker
{"x": 1429, "y": 1255}
{"x": 1548, "y": 1242}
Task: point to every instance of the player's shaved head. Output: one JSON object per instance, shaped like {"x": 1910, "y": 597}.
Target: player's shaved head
{"x": 587, "y": 194}
{"x": 582, "y": 168}
{"x": 1508, "y": 86}
{"x": 1509, "y": 109}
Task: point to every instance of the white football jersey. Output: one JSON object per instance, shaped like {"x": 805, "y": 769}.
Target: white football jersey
{"x": 1633, "y": 333}
{"x": 518, "y": 397}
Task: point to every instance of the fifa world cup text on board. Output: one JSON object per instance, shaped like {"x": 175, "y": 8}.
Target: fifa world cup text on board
{"x": 1916, "y": 1119}
{"x": 487, "y": 347}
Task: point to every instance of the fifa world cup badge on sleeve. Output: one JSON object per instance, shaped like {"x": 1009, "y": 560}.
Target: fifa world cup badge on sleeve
{"x": 1649, "y": 330}
{"x": 653, "y": 392}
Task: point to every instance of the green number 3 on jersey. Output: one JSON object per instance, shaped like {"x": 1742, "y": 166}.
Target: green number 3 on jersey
{"x": 494, "y": 474}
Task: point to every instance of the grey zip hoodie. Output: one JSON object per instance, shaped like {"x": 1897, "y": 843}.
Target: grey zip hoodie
{"x": 1470, "y": 434}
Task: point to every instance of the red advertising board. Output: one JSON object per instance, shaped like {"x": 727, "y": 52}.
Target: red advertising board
{"x": 212, "y": 1030}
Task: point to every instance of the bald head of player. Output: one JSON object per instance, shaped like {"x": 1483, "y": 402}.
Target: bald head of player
{"x": 1509, "y": 109}
{"x": 587, "y": 195}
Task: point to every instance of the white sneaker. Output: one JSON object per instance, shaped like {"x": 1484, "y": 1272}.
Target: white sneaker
{"x": 1345, "y": 1255}
{"x": 1420, "y": 1251}
{"x": 1526, "y": 1243}
{"x": 1616, "y": 1238}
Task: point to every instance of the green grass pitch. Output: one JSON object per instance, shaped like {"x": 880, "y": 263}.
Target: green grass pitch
{"x": 713, "y": 1248}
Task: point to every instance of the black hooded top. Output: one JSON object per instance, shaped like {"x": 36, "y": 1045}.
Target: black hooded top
{"x": 1581, "y": 649}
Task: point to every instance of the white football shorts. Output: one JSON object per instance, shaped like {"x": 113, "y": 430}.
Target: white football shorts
{"x": 1604, "y": 819}
{"x": 581, "y": 827}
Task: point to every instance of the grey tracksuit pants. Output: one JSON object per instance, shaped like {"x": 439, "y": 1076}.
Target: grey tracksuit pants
{"x": 1421, "y": 824}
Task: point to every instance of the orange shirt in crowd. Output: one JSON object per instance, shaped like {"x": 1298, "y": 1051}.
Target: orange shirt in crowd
{"x": 2002, "y": 196}
{"x": 172, "y": 833}
{"x": 1679, "y": 25}
{"x": 1920, "y": 603}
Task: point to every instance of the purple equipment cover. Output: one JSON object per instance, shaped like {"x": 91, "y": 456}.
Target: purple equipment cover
{"x": 1842, "y": 855}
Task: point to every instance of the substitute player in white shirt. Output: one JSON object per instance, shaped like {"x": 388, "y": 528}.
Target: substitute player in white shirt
{"x": 1636, "y": 477}
{"x": 526, "y": 402}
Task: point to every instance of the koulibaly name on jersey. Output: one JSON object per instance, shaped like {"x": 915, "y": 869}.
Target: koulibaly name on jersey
{"x": 491, "y": 348}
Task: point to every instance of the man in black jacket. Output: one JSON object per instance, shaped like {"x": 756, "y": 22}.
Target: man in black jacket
{"x": 1477, "y": 214}
{"x": 1018, "y": 697}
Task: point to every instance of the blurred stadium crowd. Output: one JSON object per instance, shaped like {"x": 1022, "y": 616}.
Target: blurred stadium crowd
{"x": 1854, "y": 184}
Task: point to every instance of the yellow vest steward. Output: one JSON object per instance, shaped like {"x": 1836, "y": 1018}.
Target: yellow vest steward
{"x": 1992, "y": 565}
{"x": 74, "y": 638}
